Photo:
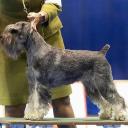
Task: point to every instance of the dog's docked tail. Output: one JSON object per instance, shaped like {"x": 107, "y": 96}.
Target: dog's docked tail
{"x": 105, "y": 49}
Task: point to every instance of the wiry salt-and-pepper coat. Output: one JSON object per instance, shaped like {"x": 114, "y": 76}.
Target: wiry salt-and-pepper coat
{"x": 13, "y": 83}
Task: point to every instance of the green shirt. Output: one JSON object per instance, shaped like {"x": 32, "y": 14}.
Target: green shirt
{"x": 13, "y": 82}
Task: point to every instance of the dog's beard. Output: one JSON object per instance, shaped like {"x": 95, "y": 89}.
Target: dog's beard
{"x": 11, "y": 52}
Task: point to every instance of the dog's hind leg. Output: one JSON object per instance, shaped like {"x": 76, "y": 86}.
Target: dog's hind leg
{"x": 117, "y": 102}
{"x": 104, "y": 83}
{"x": 95, "y": 95}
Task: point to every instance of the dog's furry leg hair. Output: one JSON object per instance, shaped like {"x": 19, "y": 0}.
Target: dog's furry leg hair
{"x": 101, "y": 89}
{"x": 39, "y": 98}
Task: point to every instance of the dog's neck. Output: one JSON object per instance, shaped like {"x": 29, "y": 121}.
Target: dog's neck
{"x": 35, "y": 42}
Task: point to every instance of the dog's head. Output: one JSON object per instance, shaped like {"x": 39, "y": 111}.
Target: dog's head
{"x": 14, "y": 38}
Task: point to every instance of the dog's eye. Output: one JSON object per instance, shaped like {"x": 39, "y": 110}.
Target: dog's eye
{"x": 14, "y": 31}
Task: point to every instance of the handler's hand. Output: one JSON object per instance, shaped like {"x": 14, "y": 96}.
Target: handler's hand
{"x": 36, "y": 18}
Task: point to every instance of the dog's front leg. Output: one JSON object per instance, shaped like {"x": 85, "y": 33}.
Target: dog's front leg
{"x": 38, "y": 103}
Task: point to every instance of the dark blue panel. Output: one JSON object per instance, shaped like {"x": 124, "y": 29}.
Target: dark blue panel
{"x": 89, "y": 24}
{"x": 92, "y": 109}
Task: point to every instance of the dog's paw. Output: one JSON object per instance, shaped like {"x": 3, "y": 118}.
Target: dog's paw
{"x": 105, "y": 116}
{"x": 35, "y": 115}
{"x": 32, "y": 113}
{"x": 120, "y": 116}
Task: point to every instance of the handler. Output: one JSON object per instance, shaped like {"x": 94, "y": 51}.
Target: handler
{"x": 13, "y": 82}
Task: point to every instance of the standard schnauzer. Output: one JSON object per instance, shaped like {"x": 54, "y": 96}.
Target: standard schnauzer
{"x": 49, "y": 67}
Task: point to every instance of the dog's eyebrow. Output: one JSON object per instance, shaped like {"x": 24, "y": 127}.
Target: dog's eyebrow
{"x": 22, "y": 26}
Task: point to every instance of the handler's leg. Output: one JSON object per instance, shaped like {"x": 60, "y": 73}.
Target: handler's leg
{"x": 15, "y": 111}
{"x": 61, "y": 103}
{"x": 62, "y": 108}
